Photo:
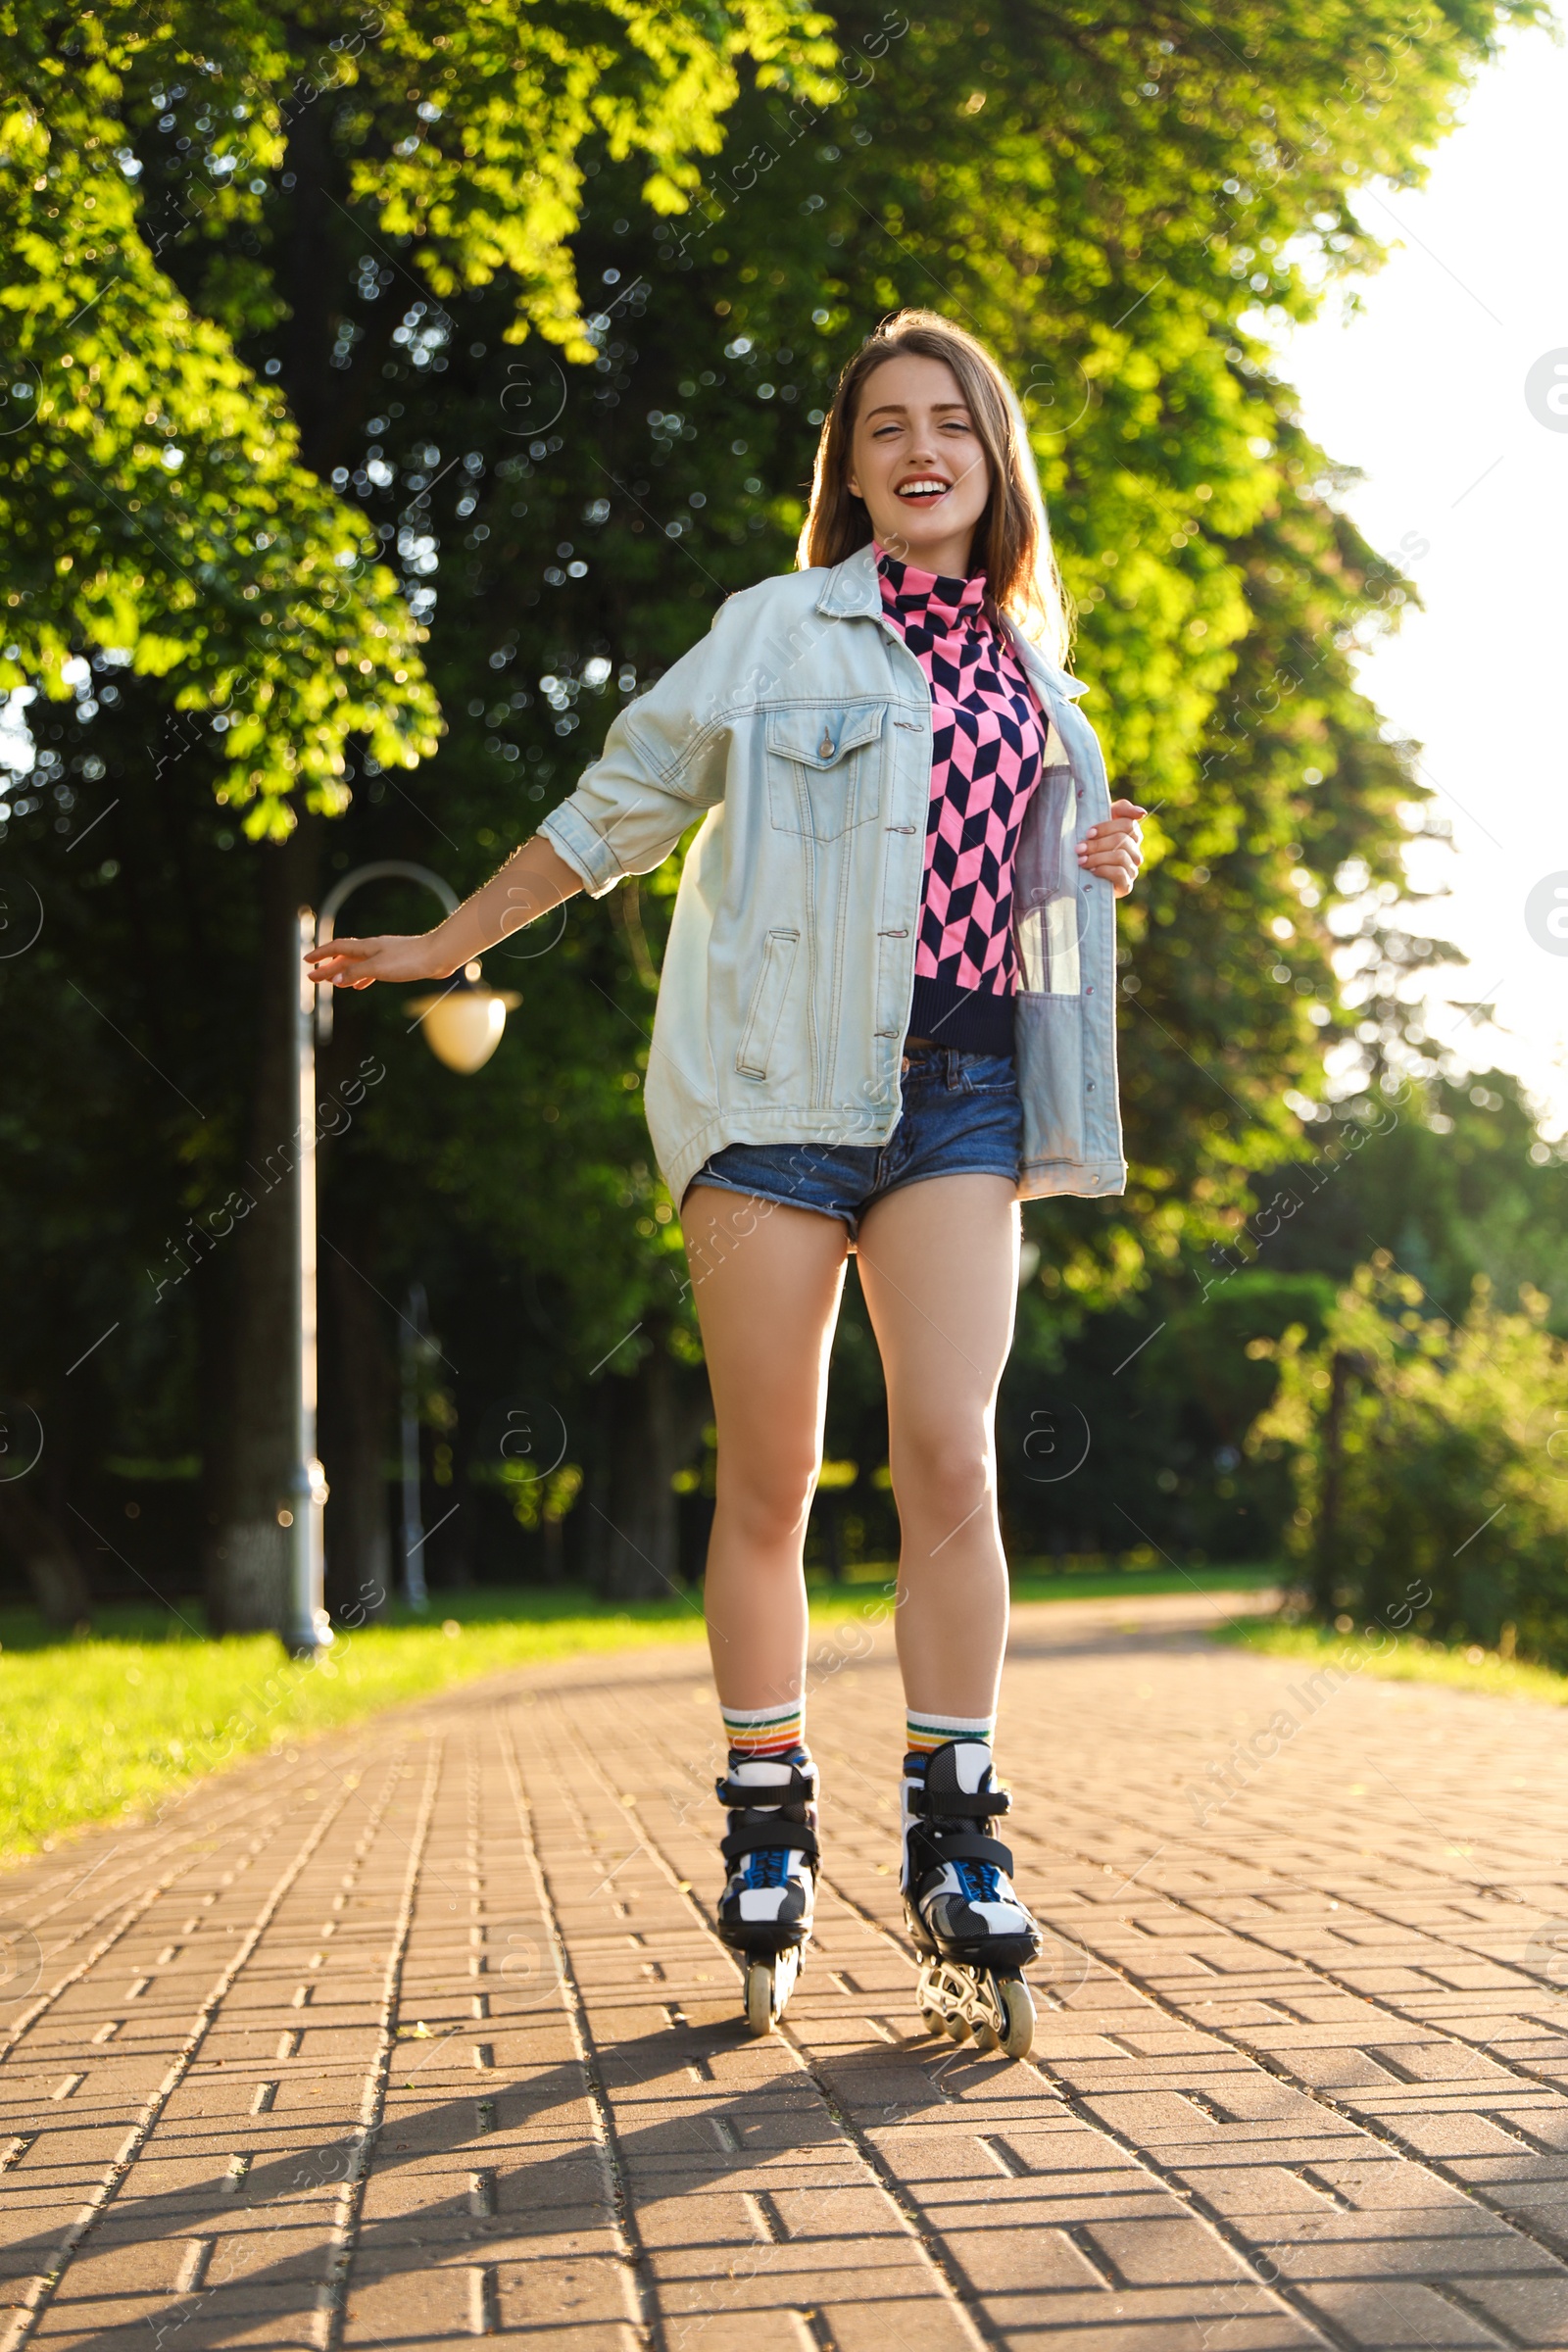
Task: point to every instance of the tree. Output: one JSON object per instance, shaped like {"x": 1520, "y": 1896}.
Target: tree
{"x": 1424, "y": 1452}
{"x": 181, "y": 418}
{"x": 1099, "y": 196}
{"x": 205, "y": 154}
{"x": 1453, "y": 1182}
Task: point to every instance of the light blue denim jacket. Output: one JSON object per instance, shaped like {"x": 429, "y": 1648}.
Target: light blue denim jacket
{"x": 801, "y": 726}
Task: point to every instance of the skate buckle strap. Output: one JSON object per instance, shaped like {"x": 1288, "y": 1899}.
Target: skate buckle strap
{"x": 933, "y": 1851}
{"x": 957, "y": 1804}
{"x": 767, "y": 1832}
{"x": 747, "y": 1796}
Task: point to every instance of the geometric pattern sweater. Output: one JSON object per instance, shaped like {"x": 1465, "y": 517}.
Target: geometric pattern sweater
{"x": 987, "y": 748}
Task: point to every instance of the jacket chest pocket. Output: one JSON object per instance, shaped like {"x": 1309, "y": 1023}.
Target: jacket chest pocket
{"x": 824, "y": 769}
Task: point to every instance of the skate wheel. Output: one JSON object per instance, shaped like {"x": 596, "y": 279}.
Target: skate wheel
{"x": 759, "y": 1997}
{"x": 958, "y": 2028}
{"x": 984, "y": 2038}
{"x": 931, "y": 2019}
{"x": 1018, "y": 2039}
{"x": 770, "y": 1981}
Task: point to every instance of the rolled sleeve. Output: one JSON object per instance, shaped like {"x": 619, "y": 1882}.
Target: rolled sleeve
{"x": 589, "y": 856}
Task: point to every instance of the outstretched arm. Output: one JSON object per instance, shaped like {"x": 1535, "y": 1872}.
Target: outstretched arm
{"x": 533, "y": 881}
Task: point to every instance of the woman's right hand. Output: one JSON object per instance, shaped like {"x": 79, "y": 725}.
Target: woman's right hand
{"x": 533, "y": 880}
{"x": 361, "y": 963}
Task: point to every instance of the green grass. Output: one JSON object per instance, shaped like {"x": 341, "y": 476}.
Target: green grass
{"x": 1114, "y": 1586}
{"x": 1033, "y": 1579}
{"x": 1402, "y": 1658}
{"x": 100, "y": 1725}
{"x": 143, "y": 1706}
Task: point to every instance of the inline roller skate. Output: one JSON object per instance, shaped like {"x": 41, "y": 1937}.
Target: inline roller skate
{"x": 764, "y": 1912}
{"x": 973, "y": 1934}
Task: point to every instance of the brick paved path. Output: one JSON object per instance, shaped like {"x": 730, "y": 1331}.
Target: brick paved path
{"x": 423, "y": 2033}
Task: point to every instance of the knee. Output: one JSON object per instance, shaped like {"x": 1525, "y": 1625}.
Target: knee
{"x": 766, "y": 1502}
{"x": 945, "y": 1472}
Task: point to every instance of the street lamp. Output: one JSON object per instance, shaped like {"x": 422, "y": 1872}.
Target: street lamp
{"x": 412, "y": 1349}
{"x": 463, "y": 1024}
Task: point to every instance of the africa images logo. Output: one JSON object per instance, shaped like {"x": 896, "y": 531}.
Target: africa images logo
{"x": 1547, "y": 391}
{"x": 1546, "y": 913}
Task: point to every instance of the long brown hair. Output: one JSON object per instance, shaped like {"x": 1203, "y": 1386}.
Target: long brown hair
{"x": 1013, "y": 538}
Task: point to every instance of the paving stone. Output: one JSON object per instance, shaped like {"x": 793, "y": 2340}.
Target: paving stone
{"x": 422, "y": 2031}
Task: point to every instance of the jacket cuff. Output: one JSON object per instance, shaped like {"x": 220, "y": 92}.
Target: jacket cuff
{"x": 589, "y": 856}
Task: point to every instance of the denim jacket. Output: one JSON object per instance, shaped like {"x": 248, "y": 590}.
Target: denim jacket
{"x": 799, "y": 731}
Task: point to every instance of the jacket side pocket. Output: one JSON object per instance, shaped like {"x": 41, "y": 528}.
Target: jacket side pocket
{"x": 1048, "y": 913}
{"x": 767, "y": 1004}
{"x": 1049, "y": 1043}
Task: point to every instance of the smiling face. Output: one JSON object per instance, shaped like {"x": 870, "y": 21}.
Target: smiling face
{"x": 918, "y": 463}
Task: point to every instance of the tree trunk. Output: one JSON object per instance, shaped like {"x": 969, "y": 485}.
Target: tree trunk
{"x": 358, "y": 1396}
{"x": 216, "y": 1418}
{"x": 318, "y": 395}
{"x": 46, "y": 1555}
{"x": 247, "y": 1566}
{"x": 649, "y": 1426}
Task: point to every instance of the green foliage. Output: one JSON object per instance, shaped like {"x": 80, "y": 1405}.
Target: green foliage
{"x": 1450, "y": 1453}
{"x": 1218, "y": 1350}
{"x": 1127, "y": 1430}
{"x": 1126, "y": 205}
{"x": 1447, "y": 1173}
{"x": 153, "y": 495}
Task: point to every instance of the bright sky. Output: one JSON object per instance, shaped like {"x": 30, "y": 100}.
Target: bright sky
{"x": 1426, "y": 393}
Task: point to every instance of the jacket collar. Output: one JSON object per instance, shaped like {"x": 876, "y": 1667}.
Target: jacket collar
{"x": 851, "y": 590}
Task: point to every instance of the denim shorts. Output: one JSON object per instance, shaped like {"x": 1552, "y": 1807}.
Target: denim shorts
{"x": 962, "y": 1116}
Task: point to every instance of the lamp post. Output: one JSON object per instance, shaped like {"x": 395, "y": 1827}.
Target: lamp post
{"x": 414, "y": 1587}
{"x": 463, "y": 1024}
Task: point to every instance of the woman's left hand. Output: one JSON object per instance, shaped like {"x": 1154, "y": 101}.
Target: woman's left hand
{"x": 1115, "y": 850}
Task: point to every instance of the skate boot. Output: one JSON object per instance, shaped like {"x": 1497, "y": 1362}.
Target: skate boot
{"x": 969, "y": 1925}
{"x": 764, "y": 1912}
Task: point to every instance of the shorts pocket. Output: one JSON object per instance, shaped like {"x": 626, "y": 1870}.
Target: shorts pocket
{"x": 989, "y": 1074}
{"x": 767, "y": 1008}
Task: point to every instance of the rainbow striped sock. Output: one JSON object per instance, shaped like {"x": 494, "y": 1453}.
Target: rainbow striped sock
{"x": 764, "y": 1731}
{"x": 925, "y": 1732}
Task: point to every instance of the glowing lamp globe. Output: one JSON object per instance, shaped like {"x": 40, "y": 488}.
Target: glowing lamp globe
{"x": 463, "y": 1025}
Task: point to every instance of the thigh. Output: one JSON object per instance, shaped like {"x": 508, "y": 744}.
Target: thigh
{"x": 766, "y": 1281}
{"x": 939, "y": 1266}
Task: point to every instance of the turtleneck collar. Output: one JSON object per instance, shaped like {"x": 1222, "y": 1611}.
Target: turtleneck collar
{"x": 930, "y": 600}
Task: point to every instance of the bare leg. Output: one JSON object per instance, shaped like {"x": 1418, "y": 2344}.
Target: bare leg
{"x": 768, "y": 1283}
{"x": 939, "y": 1266}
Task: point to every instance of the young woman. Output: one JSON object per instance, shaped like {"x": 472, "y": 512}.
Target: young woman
{"x": 886, "y": 1015}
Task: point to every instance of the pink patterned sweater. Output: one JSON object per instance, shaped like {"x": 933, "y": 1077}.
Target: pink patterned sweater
{"x": 987, "y": 748}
